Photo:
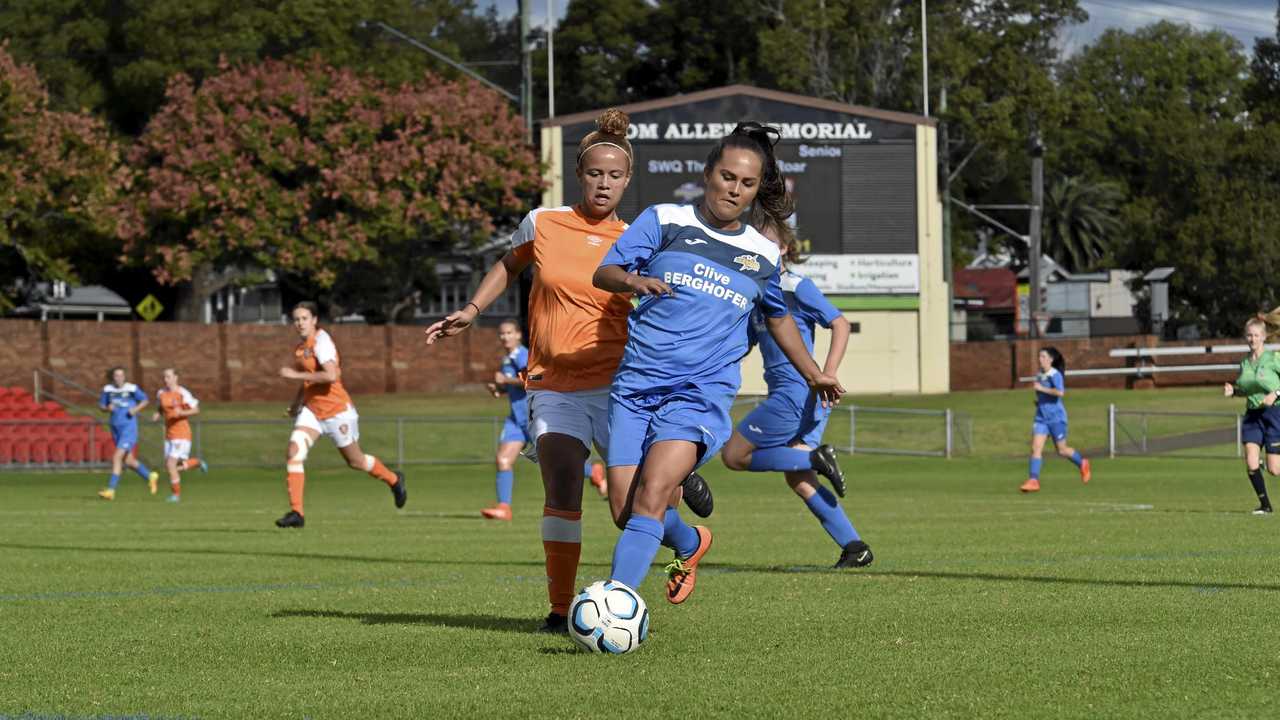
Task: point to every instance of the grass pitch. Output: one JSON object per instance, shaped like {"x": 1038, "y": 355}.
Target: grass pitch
{"x": 1147, "y": 593}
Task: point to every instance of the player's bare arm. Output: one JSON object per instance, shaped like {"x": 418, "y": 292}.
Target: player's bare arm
{"x": 784, "y": 331}
{"x": 495, "y": 282}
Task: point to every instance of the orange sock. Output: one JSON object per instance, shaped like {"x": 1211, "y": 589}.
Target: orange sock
{"x": 375, "y": 468}
{"x": 562, "y": 543}
{"x": 175, "y": 488}
{"x": 191, "y": 464}
{"x": 295, "y": 481}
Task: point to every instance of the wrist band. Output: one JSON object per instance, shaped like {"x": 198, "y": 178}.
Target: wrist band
{"x": 477, "y": 307}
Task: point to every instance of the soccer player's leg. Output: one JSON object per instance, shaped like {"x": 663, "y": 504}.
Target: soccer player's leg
{"x": 1253, "y": 436}
{"x": 344, "y": 430}
{"x": 117, "y": 465}
{"x": 513, "y": 438}
{"x": 826, "y": 508}
{"x": 128, "y": 442}
{"x": 305, "y": 431}
{"x": 762, "y": 442}
{"x": 1059, "y": 432}
{"x": 665, "y": 464}
{"x": 174, "y": 461}
{"x": 1039, "y": 434}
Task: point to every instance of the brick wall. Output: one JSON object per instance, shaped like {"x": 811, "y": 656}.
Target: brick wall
{"x": 240, "y": 362}
{"x": 998, "y": 365}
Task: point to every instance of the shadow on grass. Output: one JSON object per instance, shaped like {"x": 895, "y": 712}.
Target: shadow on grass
{"x": 468, "y": 622}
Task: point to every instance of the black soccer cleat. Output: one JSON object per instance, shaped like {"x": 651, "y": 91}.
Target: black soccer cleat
{"x": 399, "y": 491}
{"x": 291, "y": 519}
{"x": 823, "y": 460}
{"x": 855, "y": 554}
{"x": 555, "y": 624}
{"x": 1263, "y": 510}
{"x": 697, "y": 495}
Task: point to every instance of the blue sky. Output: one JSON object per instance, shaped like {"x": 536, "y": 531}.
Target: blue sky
{"x": 1243, "y": 19}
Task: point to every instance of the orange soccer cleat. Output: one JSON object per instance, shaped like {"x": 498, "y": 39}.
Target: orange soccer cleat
{"x": 1086, "y": 472}
{"x": 597, "y": 479}
{"x": 501, "y": 511}
{"x": 1032, "y": 485}
{"x": 682, "y": 573}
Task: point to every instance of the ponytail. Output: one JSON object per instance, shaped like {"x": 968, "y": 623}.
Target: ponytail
{"x": 1059, "y": 363}
{"x": 773, "y": 204}
{"x": 1270, "y": 322}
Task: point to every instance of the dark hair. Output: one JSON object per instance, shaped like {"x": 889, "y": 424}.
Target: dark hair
{"x": 512, "y": 322}
{"x": 773, "y": 204}
{"x": 309, "y": 306}
{"x": 790, "y": 243}
{"x": 1055, "y": 358}
{"x": 113, "y": 370}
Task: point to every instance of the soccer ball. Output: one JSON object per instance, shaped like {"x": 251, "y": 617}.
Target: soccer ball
{"x": 608, "y": 617}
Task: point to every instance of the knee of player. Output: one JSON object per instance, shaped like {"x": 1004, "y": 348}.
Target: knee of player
{"x": 1066, "y": 452}
{"x": 504, "y": 464}
{"x": 356, "y": 462}
{"x": 735, "y": 461}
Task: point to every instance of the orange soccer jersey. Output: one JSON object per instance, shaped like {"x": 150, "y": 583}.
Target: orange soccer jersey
{"x": 176, "y": 426}
{"x": 323, "y": 399}
{"x": 576, "y": 332}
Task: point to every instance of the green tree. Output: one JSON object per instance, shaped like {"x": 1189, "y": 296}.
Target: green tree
{"x": 598, "y": 50}
{"x": 322, "y": 174}
{"x": 60, "y": 178}
{"x": 1081, "y": 221}
{"x": 1263, "y": 90}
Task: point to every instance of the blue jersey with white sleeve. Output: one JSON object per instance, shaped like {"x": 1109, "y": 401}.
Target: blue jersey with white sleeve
{"x": 1049, "y": 408}
{"x": 120, "y": 400}
{"x": 698, "y": 336}
{"x": 809, "y": 307}
{"x": 513, "y": 364}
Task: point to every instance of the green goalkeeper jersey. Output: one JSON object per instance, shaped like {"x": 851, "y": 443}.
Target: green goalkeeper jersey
{"x": 1258, "y": 378}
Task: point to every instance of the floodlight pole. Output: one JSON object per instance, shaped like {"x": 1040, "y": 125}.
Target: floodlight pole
{"x": 551, "y": 63}
{"x": 924, "y": 53}
{"x": 1037, "y": 213}
{"x": 526, "y": 70}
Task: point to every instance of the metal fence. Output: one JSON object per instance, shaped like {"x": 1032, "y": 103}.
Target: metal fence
{"x": 1172, "y": 432}
{"x": 891, "y": 431}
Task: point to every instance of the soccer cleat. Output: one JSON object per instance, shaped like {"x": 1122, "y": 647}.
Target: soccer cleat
{"x": 173, "y": 498}
{"x": 501, "y": 511}
{"x": 204, "y": 466}
{"x": 855, "y": 554}
{"x": 399, "y": 491}
{"x": 555, "y": 624}
{"x": 1260, "y": 510}
{"x": 1032, "y": 485}
{"x": 1086, "y": 472}
{"x": 597, "y": 479}
{"x": 697, "y": 495}
{"x": 107, "y": 493}
{"x": 823, "y": 460}
{"x": 682, "y": 573}
{"x": 530, "y": 452}
{"x": 153, "y": 482}
{"x": 291, "y": 519}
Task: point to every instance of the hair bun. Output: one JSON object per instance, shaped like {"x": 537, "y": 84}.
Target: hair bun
{"x": 613, "y": 122}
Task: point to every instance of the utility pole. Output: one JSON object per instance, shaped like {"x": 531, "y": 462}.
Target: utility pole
{"x": 944, "y": 153}
{"x": 1037, "y": 212}
{"x": 551, "y": 62}
{"x": 526, "y": 68}
{"x": 924, "y": 52}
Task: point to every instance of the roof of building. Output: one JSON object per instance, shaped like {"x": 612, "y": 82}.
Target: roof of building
{"x": 996, "y": 287}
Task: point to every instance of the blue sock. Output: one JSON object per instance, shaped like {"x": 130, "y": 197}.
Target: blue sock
{"x": 826, "y": 508}
{"x": 635, "y": 550}
{"x": 1077, "y": 458}
{"x": 586, "y": 468}
{"x": 142, "y": 471}
{"x": 679, "y": 535}
{"x": 1035, "y": 468}
{"x": 505, "y": 480}
{"x": 779, "y": 459}
{"x": 113, "y": 482}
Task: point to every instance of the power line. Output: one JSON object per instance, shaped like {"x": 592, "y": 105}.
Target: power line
{"x": 1193, "y": 8}
{"x": 1174, "y": 18}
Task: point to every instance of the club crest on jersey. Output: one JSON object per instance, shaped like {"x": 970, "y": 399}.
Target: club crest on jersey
{"x": 594, "y": 240}
{"x": 748, "y": 263}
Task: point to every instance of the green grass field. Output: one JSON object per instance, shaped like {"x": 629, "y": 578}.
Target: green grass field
{"x": 1147, "y": 593}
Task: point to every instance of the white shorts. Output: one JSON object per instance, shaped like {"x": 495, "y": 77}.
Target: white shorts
{"x": 582, "y": 414}
{"x": 179, "y": 449}
{"x": 343, "y": 428}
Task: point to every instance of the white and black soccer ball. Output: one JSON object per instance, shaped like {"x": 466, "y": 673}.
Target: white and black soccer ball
{"x": 608, "y": 617}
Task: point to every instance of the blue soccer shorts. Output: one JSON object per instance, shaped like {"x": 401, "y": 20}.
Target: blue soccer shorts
{"x": 699, "y": 415}
{"x": 786, "y": 418}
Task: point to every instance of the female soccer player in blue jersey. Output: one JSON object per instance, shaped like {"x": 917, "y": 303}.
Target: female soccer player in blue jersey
{"x": 123, "y": 401}
{"x": 783, "y": 433}
{"x": 1259, "y": 384}
{"x": 699, "y": 271}
{"x": 1051, "y": 419}
{"x": 509, "y": 381}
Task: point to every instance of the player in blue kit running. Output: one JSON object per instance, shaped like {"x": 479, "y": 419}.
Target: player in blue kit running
{"x": 123, "y": 401}
{"x": 1051, "y": 419}
{"x": 783, "y": 433}
{"x": 700, "y": 272}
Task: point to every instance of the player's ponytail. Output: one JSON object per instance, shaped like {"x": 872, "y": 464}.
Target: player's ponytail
{"x": 1055, "y": 358}
{"x": 1270, "y": 322}
{"x": 787, "y": 240}
{"x": 773, "y": 204}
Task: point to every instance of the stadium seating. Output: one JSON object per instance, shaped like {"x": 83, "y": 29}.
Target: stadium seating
{"x": 44, "y": 434}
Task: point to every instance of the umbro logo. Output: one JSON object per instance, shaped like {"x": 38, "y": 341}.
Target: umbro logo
{"x": 748, "y": 262}
{"x": 594, "y": 240}
{"x": 695, "y": 241}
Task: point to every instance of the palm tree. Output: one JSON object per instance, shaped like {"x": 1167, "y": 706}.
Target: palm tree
{"x": 1080, "y": 221}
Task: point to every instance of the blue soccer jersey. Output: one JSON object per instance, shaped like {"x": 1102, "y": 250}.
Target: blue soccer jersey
{"x": 512, "y": 365}
{"x": 809, "y": 307}
{"x": 120, "y": 400}
{"x": 1049, "y": 408}
{"x": 698, "y": 336}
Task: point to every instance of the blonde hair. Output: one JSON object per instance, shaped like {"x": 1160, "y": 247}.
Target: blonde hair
{"x": 1268, "y": 321}
{"x": 611, "y": 130}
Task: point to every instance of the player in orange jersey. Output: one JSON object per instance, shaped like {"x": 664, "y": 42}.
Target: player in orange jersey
{"x": 323, "y": 407}
{"x": 176, "y": 405}
{"x": 576, "y": 337}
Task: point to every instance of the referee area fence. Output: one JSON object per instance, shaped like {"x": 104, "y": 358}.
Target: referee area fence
{"x": 1208, "y": 435}
{"x": 80, "y": 443}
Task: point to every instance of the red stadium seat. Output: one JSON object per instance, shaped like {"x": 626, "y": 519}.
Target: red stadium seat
{"x": 39, "y": 451}
{"x": 21, "y": 451}
{"x": 76, "y": 451}
{"x": 57, "y": 451}
{"x": 6, "y": 450}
